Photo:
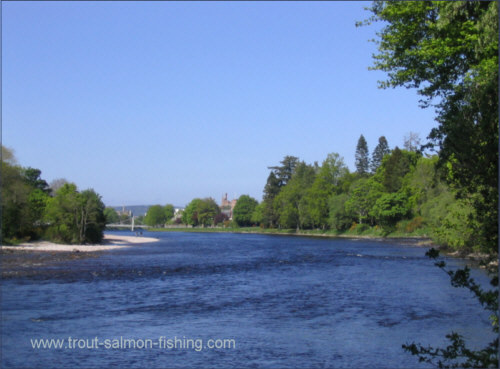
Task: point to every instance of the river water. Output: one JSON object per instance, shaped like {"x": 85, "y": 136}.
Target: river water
{"x": 278, "y": 301}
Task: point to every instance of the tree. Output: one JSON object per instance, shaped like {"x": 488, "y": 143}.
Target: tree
{"x": 339, "y": 218}
{"x": 390, "y": 208}
{"x": 448, "y": 51}
{"x": 190, "y": 213}
{"x": 32, "y": 178}
{"x": 75, "y": 217}
{"x": 16, "y": 221}
{"x": 313, "y": 208}
{"x": 271, "y": 190}
{"x": 258, "y": 214}
{"x": 201, "y": 212}
{"x": 412, "y": 142}
{"x": 220, "y": 218}
{"x": 23, "y": 198}
{"x": 56, "y": 184}
{"x": 8, "y": 156}
{"x": 285, "y": 171}
{"x": 378, "y": 154}
{"x": 169, "y": 210}
{"x": 287, "y": 203}
{"x": 395, "y": 167}
{"x": 364, "y": 193}
{"x": 362, "y": 156}
{"x": 207, "y": 210}
{"x": 111, "y": 216}
{"x": 91, "y": 219}
{"x": 422, "y": 181}
{"x": 243, "y": 210}
{"x": 156, "y": 216}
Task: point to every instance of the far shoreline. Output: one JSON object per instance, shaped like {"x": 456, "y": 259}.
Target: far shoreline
{"x": 422, "y": 240}
{"x": 412, "y": 240}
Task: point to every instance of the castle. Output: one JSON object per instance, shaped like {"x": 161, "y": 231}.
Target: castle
{"x": 227, "y": 206}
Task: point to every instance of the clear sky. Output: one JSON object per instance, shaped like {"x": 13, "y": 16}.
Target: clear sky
{"x": 162, "y": 102}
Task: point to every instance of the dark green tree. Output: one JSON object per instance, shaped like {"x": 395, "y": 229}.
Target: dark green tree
{"x": 243, "y": 210}
{"x": 15, "y": 192}
{"x": 271, "y": 190}
{"x": 395, "y": 166}
{"x": 23, "y": 199}
{"x": 285, "y": 171}
{"x": 379, "y": 152}
{"x": 362, "y": 157}
{"x": 32, "y": 178}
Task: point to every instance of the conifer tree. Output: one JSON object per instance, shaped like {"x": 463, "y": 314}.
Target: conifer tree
{"x": 362, "y": 159}
{"x": 378, "y": 154}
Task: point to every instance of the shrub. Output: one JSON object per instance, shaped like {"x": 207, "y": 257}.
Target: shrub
{"x": 362, "y": 228}
{"x": 414, "y": 224}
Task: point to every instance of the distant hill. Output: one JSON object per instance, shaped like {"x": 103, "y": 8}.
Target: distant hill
{"x": 137, "y": 210}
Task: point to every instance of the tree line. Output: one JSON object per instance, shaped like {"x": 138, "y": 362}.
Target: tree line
{"x": 31, "y": 209}
{"x": 391, "y": 190}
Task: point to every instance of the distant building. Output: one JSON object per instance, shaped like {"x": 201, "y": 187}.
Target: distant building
{"x": 124, "y": 211}
{"x": 227, "y": 206}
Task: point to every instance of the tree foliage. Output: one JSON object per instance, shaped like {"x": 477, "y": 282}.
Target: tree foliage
{"x": 169, "y": 210}
{"x": 31, "y": 210}
{"x": 75, "y": 217}
{"x": 156, "y": 216}
{"x": 111, "y": 216}
{"x": 284, "y": 172}
{"x": 201, "y": 212}
{"x": 395, "y": 167}
{"x": 448, "y": 51}
{"x": 287, "y": 203}
{"x": 243, "y": 210}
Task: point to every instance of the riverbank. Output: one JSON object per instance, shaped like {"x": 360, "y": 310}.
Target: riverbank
{"x": 32, "y": 258}
{"x": 110, "y": 242}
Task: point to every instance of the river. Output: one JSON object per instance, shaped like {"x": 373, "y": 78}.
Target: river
{"x": 276, "y": 301}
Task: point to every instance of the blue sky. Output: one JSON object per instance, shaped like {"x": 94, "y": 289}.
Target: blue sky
{"x": 162, "y": 102}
